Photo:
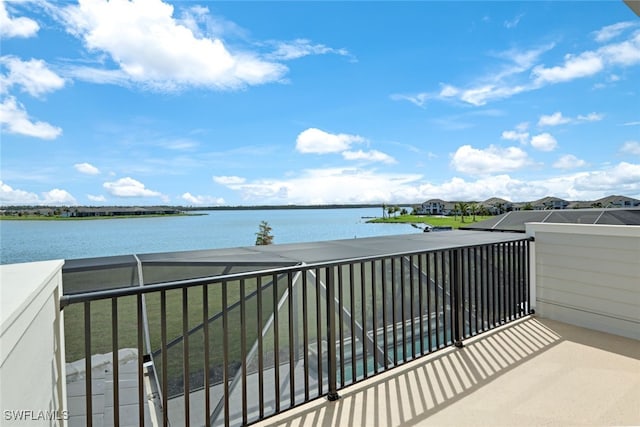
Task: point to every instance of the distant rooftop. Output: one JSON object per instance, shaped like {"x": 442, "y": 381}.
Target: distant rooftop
{"x": 515, "y": 221}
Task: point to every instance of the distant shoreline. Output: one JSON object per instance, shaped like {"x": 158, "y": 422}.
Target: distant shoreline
{"x": 87, "y": 218}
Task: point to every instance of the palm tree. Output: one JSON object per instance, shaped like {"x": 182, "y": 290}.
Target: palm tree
{"x": 384, "y": 210}
{"x": 463, "y": 207}
{"x": 473, "y": 207}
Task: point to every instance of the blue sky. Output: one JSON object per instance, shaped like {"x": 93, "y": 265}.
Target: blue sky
{"x": 245, "y": 103}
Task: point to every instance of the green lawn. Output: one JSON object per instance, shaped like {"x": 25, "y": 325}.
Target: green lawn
{"x": 438, "y": 221}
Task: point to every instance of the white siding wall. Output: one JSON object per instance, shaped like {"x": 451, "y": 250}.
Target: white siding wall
{"x": 32, "y": 376}
{"x": 589, "y": 275}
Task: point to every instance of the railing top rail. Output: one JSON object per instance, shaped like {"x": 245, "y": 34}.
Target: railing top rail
{"x": 75, "y": 298}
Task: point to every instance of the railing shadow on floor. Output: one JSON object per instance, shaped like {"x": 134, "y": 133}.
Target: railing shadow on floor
{"x": 412, "y": 393}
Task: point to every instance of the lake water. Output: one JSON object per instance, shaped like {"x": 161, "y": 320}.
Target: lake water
{"x": 24, "y": 241}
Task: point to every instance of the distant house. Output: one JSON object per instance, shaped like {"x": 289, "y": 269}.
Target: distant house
{"x": 547, "y": 203}
{"x": 616, "y": 202}
{"x": 497, "y": 206}
{"x": 122, "y": 211}
{"x": 435, "y": 207}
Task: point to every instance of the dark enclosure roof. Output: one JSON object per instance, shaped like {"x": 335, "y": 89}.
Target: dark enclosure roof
{"x": 123, "y": 271}
{"x": 516, "y": 220}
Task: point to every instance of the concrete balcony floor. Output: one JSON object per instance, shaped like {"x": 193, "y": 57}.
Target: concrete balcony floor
{"x": 531, "y": 372}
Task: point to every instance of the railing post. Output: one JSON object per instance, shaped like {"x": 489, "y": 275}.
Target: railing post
{"x": 332, "y": 363}
{"x": 458, "y": 303}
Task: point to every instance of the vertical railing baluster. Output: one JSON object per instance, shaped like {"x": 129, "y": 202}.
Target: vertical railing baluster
{"x": 511, "y": 285}
{"x": 429, "y": 311}
{"x": 503, "y": 277}
{"x": 403, "y": 328}
{"x": 141, "y": 399}
{"x": 412, "y": 306}
{"x": 517, "y": 249}
{"x": 463, "y": 276}
{"x": 185, "y": 354}
{"x": 292, "y": 340}
{"x": 394, "y": 310}
{"x": 340, "y": 325}
{"x": 205, "y": 335}
{"x": 437, "y": 257}
{"x": 374, "y": 315}
{"x": 260, "y": 348}
{"x": 363, "y": 309}
{"x": 525, "y": 277}
{"x": 243, "y": 349}
{"x": 115, "y": 361}
{"x": 163, "y": 344}
{"x": 319, "y": 331}
{"x": 331, "y": 334}
{"x": 352, "y": 308}
{"x": 421, "y": 273}
{"x": 476, "y": 301}
{"x": 225, "y": 353}
{"x": 87, "y": 364}
{"x": 457, "y": 295}
{"x": 305, "y": 334}
{"x": 383, "y": 291}
{"x": 276, "y": 342}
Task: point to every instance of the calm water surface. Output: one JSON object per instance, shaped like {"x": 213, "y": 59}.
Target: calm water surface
{"x": 24, "y": 241}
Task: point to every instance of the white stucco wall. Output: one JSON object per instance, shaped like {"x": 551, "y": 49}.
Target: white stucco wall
{"x": 32, "y": 378}
{"x": 589, "y": 275}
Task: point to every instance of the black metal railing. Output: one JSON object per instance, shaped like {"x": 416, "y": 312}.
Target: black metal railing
{"x": 237, "y": 348}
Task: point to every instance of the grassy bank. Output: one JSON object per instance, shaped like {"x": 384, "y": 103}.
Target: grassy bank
{"x": 437, "y": 221}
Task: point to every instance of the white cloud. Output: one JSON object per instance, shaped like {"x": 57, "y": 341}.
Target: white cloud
{"x": 314, "y": 140}
{"x": 333, "y": 185}
{"x": 370, "y": 156}
{"x": 611, "y": 31}
{"x": 302, "y": 47}
{"x": 202, "y": 200}
{"x": 631, "y": 147}
{"x": 86, "y": 168}
{"x": 97, "y": 199}
{"x": 512, "y": 23}
{"x": 632, "y": 123}
{"x": 350, "y": 185}
{"x": 591, "y": 117}
{"x": 481, "y": 95}
{"x": 625, "y": 53}
{"x": 153, "y": 49}
{"x": 623, "y": 178}
{"x": 575, "y": 66}
{"x": 557, "y": 119}
{"x": 569, "y": 161}
{"x": 14, "y": 119}
{"x": 544, "y": 142}
{"x": 16, "y": 27}
{"x": 33, "y": 76}
{"x": 228, "y": 180}
{"x": 419, "y": 99}
{"x": 129, "y": 187}
{"x": 58, "y": 197}
{"x": 491, "y": 160}
{"x": 10, "y": 196}
{"x": 512, "y": 135}
{"x": 521, "y": 72}
{"x": 554, "y": 119}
